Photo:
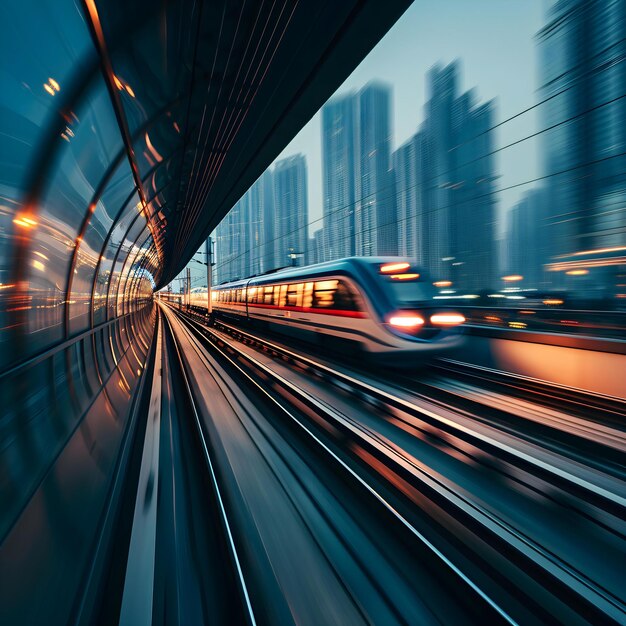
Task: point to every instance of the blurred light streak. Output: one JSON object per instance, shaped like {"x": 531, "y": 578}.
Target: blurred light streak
{"x": 404, "y": 276}
{"x": 447, "y": 319}
{"x": 26, "y": 222}
{"x": 394, "y": 267}
{"x": 406, "y": 321}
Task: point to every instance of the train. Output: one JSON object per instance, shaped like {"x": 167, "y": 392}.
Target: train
{"x": 381, "y": 308}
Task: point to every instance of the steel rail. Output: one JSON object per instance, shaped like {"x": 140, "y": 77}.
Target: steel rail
{"x": 213, "y": 476}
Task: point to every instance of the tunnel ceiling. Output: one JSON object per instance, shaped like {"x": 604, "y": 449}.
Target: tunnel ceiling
{"x": 207, "y": 94}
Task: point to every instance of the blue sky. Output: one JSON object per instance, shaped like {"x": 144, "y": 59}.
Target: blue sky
{"x": 495, "y": 42}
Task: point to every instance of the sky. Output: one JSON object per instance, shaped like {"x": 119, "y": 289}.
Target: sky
{"x": 495, "y": 43}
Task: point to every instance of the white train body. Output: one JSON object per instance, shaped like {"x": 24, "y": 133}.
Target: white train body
{"x": 380, "y": 307}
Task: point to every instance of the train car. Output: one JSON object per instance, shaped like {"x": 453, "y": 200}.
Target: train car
{"x": 383, "y": 308}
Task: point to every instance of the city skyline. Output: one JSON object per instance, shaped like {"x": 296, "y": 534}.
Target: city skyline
{"x": 415, "y": 44}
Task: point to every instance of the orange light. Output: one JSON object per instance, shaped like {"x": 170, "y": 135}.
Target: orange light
{"x": 26, "y": 222}
{"x": 404, "y": 276}
{"x": 518, "y": 325}
{"x": 49, "y": 89}
{"x": 152, "y": 149}
{"x": 54, "y": 84}
{"x": 493, "y": 318}
{"x": 406, "y": 321}
{"x": 118, "y": 82}
{"x": 599, "y": 251}
{"x": 512, "y": 278}
{"x": 553, "y": 301}
{"x": 394, "y": 267}
{"x": 443, "y": 283}
{"x": 131, "y": 93}
{"x": 577, "y": 272}
{"x": 447, "y": 319}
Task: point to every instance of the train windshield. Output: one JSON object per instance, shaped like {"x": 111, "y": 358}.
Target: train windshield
{"x": 411, "y": 291}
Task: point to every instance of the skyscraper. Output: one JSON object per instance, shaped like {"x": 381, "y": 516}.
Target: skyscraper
{"x": 527, "y": 239}
{"x": 339, "y": 167}
{"x": 582, "y": 50}
{"x": 375, "y": 214}
{"x": 231, "y": 237}
{"x": 408, "y": 168}
{"x": 261, "y": 225}
{"x": 291, "y": 210}
{"x": 457, "y": 178}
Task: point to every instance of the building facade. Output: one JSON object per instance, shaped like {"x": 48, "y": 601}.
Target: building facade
{"x": 408, "y": 168}
{"x": 375, "y": 211}
{"x": 291, "y": 215}
{"x": 339, "y": 175}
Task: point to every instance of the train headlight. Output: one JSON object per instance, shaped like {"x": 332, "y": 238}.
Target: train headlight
{"x": 391, "y": 268}
{"x": 447, "y": 319}
{"x": 408, "y": 321}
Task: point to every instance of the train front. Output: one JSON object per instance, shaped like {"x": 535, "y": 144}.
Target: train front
{"x": 410, "y": 316}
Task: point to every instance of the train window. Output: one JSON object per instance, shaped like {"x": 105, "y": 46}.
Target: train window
{"x": 282, "y": 297}
{"x": 325, "y": 294}
{"x": 251, "y": 295}
{"x": 276, "y": 295}
{"x": 345, "y": 298}
{"x": 412, "y": 291}
{"x": 307, "y": 295}
{"x": 294, "y": 294}
{"x": 336, "y": 294}
{"x": 268, "y": 294}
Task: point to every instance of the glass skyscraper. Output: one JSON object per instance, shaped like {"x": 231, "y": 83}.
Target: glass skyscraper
{"x": 290, "y": 210}
{"x": 375, "y": 213}
{"x": 340, "y": 172}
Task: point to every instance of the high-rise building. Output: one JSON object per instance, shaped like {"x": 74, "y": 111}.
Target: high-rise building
{"x": 526, "y": 249}
{"x": 582, "y": 70}
{"x": 457, "y": 179}
{"x": 340, "y": 171}
{"x": 290, "y": 210}
{"x": 375, "y": 212}
{"x": 473, "y": 214}
{"x": 319, "y": 245}
{"x": 231, "y": 244}
{"x": 261, "y": 225}
{"x": 408, "y": 168}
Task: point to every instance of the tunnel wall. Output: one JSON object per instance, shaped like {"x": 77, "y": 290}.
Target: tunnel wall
{"x": 80, "y": 254}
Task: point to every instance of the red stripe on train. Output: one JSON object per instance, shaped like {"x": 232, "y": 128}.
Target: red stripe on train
{"x": 301, "y": 309}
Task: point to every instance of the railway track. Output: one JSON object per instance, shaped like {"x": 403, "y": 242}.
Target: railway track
{"x": 417, "y": 564}
{"x": 175, "y": 560}
{"x": 578, "y": 489}
{"x": 585, "y": 427}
